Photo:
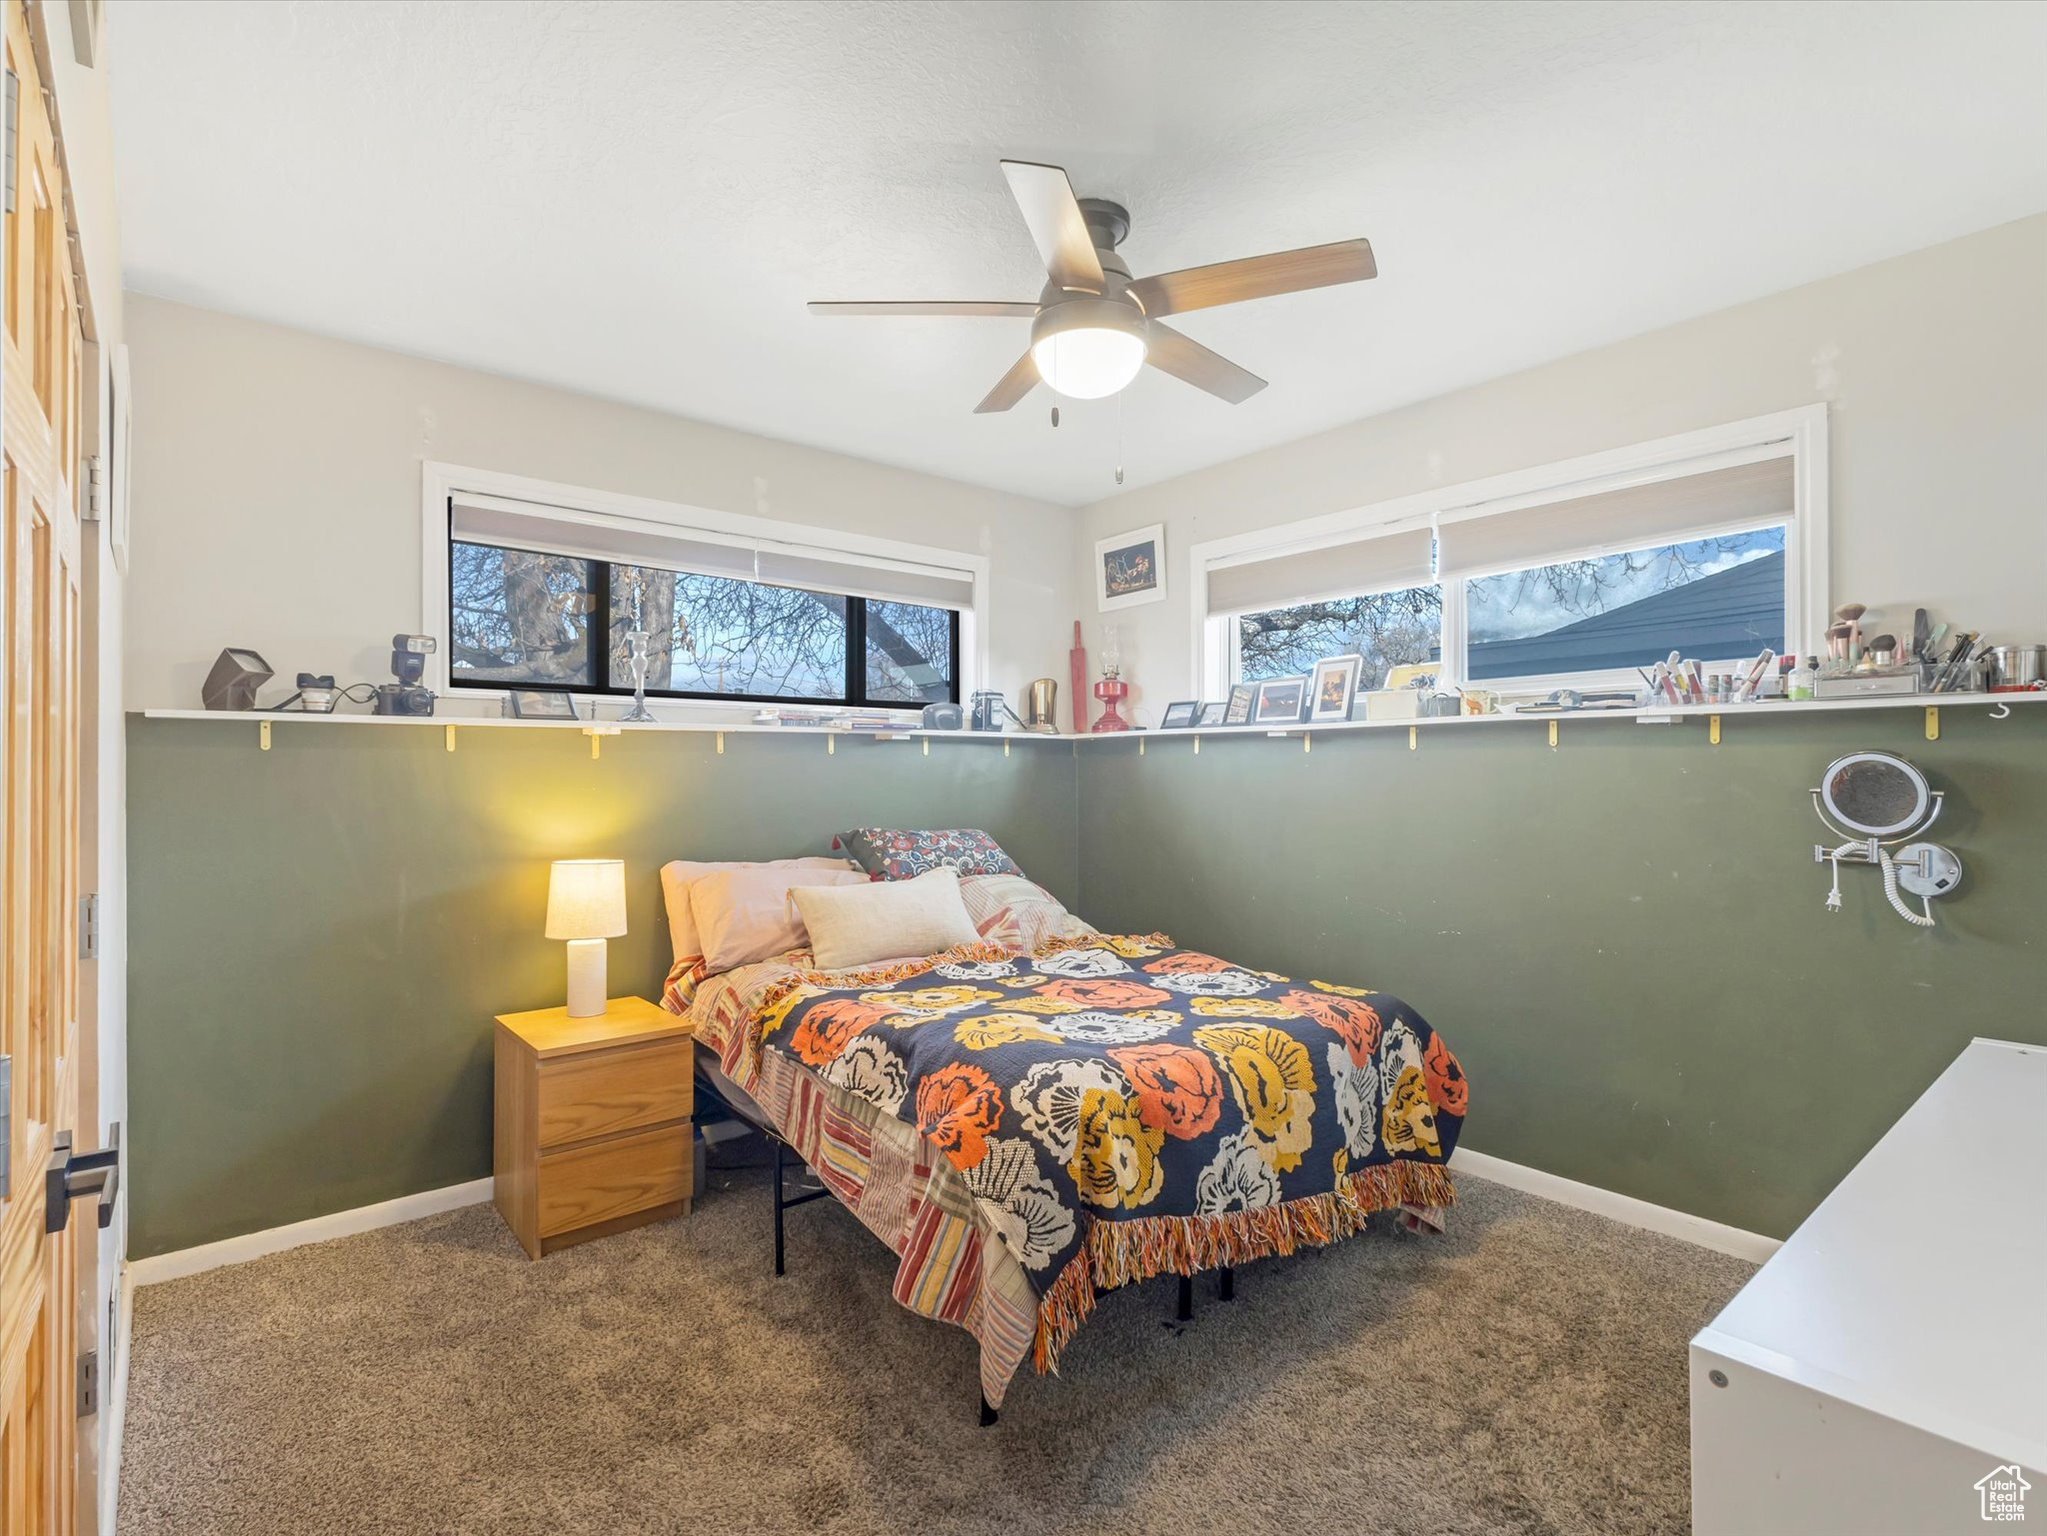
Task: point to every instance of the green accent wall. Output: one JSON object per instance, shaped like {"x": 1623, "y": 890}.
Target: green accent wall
{"x": 320, "y": 934}
{"x": 1625, "y": 939}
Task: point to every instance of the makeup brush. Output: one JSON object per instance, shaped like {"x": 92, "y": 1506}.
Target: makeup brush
{"x": 1851, "y": 612}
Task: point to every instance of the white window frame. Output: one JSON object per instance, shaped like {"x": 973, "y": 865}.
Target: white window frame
{"x": 439, "y": 481}
{"x": 1799, "y": 434}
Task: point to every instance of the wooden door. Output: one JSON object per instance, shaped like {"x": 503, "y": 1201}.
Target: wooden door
{"x": 39, "y": 775}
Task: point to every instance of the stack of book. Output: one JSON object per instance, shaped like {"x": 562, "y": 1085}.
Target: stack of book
{"x": 833, "y": 719}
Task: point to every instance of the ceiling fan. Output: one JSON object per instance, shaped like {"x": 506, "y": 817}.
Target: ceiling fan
{"x": 1094, "y": 325}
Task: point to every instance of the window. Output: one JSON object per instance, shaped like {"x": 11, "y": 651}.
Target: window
{"x": 540, "y": 585}
{"x": 523, "y": 617}
{"x": 1711, "y": 545}
{"x": 1388, "y": 629}
{"x": 1717, "y": 599}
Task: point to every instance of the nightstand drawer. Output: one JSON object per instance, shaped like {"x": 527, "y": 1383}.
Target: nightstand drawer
{"x": 610, "y": 1179}
{"x": 617, "y": 1090}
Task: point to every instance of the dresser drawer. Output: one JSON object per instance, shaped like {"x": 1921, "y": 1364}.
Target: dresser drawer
{"x": 609, "y": 1179}
{"x": 618, "y": 1090}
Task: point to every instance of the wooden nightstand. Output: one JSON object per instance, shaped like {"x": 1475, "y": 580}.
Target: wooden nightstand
{"x": 592, "y": 1132}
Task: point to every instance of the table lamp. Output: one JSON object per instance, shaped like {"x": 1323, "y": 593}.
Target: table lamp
{"x": 586, "y": 906}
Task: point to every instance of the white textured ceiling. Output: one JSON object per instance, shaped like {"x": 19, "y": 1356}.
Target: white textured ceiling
{"x": 634, "y": 200}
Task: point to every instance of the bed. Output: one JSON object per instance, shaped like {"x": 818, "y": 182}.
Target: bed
{"x": 1049, "y": 1112}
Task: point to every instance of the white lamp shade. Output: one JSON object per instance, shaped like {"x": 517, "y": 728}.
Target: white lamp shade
{"x": 1088, "y": 363}
{"x": 586, "y": 899}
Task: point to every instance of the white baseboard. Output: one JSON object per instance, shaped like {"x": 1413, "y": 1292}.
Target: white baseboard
{"x": 1716, "y": 1235}
{"x": 256, "y": 1245}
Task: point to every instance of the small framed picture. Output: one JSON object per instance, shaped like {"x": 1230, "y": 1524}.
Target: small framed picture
{"x": 1212, "y": 713}
{"x": 1336, "y": 684}
{"x": 1131, "y": 568}
{"x": 1280, "y": 700}
{"x": 1179, "y": 716}
{"x": 1238, "y": 710}
{"x": 540, "y": 704}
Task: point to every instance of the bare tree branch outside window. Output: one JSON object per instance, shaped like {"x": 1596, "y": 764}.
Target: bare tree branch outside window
{"x": 521, "y": 617}
{"x": 1388, "y": 629}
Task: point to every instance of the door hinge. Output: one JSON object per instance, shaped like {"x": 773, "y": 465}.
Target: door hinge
{"x": 92, "y": 474}
{"x": 88, "y": 1383}
{"x": 89, "y": 926}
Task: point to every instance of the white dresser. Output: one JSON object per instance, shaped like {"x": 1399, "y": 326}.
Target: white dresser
{"x": 1885, "y": 1374}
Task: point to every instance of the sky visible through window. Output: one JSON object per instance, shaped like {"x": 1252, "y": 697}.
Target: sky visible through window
{"x": 1545, "y": 598}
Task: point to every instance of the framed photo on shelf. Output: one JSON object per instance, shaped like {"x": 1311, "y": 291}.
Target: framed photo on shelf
{"x": 1335, "y": 685}
{"x": 539, "y": 704}
{"x": 1178, "y": 717}
{"x": 1212, "y": 713}
{"x": 1280, "y": 701}
{"x": 1238, "y": 710}
{"x": 1130, "y": 568}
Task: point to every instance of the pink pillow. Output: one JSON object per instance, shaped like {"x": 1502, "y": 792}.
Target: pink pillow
{"x": 745, "y": 915}
{"x": 678, "y": 875}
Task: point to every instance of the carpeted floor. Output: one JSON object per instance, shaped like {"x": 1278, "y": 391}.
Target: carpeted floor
{"x": 1524, "y": 1373}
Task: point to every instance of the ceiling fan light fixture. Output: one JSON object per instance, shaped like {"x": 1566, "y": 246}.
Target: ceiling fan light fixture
{"x": 1088, "y": 348}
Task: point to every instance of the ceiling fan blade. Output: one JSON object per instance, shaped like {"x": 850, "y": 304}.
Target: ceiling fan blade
{"x": 923, "y": 307}
{"x": 1011, "y": 387}
{"x": 1256, "y": 277}
{"x": 1170, "y": 352}
{"x": 1046, "y": 198}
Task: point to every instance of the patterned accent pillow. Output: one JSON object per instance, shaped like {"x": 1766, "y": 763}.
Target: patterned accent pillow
{"x": 1009, "y": 910}
{"x": 889, "y": 854}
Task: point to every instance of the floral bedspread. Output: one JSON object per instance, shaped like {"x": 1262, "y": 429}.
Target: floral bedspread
{"x": 1120, "y": 1107}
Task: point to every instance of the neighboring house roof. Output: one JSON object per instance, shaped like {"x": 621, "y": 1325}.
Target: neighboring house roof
{"x": 1735, "y": 612}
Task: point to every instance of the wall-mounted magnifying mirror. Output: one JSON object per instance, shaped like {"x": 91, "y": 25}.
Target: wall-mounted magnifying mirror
{"x": 1876, "y": 800}
{"x": 1876, "y": 794}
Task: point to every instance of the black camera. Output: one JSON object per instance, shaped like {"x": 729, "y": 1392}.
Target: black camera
{"x": 407, "y": 696}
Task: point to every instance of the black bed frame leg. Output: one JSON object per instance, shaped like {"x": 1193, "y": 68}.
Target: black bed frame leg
{"x": 988, "y": 1415}
{"x": 778, "y": 1203}
{"x": 1226, "y": 1284}
{"x": 1186, "y": 1298}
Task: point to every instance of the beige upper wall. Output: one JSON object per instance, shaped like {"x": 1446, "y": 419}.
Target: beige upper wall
{"x": 1934, "y": 367}
{"x": 277, "y": 486}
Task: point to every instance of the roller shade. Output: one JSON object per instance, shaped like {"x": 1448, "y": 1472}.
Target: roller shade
{"x": 480, "y": 519}
{"x": 1635, "y": 518}
{"x": 1340, "y": 570}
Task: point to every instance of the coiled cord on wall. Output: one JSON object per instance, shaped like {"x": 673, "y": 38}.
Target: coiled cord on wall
{"x": 1890, "y": 870}
{"x": 1898, "y": 902}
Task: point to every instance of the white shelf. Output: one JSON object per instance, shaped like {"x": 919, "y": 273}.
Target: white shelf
{"x": 1661, "y": 715}
{"x": 587, "y": 727}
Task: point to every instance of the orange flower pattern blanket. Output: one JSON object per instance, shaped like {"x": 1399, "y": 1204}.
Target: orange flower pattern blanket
{"x": 1117, "y": 1079}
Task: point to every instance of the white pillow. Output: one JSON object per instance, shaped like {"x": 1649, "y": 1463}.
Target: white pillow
{"x": 888, "y": 920}
{"x": 743, "y": 915}
{"x": 678, "y": 875}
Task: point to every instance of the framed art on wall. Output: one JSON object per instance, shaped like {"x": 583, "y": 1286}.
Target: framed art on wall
{"x": 1131, "y": 568}
{"x": 1280, "y": 700}
{"x": 1336, "y": 684}
{"x": 539, "y": 704}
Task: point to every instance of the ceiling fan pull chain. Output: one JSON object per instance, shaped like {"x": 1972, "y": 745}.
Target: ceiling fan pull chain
{"x": 1119, "y": 437}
